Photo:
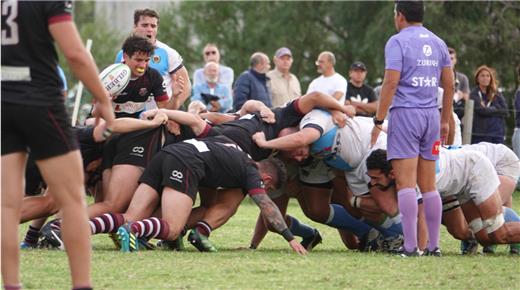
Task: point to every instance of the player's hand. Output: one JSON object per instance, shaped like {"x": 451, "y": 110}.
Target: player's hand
{"x": 149, "y": 115}
{"x": 375, "y": 134}
{"x": 104, "y": 111}
{"x": 350, "y": 110}
{"x": 259, "y": 138}
{"x": 160, "y": 118}
{"x": 267, "y": 115}
{"x": 339, "y": 118}
{"x": 297, "y": 247}
{"x": 445, "y": 128}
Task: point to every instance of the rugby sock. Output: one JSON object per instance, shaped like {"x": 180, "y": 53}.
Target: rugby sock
{"x": 106, "y": 223}
{"x": 510, "y": 215}
{"x": 203, "y": 228}
{"x": 151, "y": 228}
{"x": 407, "y": 201}
{"x": 339, "y": 218}
{"x": 391, "y": 227}
{"x": 32, "y": 235}
{"x": 299, "y": 229}
{"x": 433, "y": 213}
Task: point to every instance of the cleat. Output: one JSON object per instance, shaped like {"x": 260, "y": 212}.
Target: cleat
{"x": 435, "y": 252}
{"x": 415, "y": 253}
{"x": 514, "y": 249}
{"x": 27, "y": 246}
{"x": 468, "y": 247}
{"x": 489, "y": 249}
{"x": 310, "y": 242}
{"x": 392, "y": 244}
{"x": 115, "y": 240}
{"x": 370, "y": 242}
{"x": 52, "y": 236}
{"x": 127, "y": 239}
{"x": 145, "y": 244}
{"x": 175, "y": 245}
{"x": 200, "y": 241}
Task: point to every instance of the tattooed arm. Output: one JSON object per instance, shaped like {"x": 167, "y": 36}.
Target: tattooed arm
{"x": 272, "y": 214}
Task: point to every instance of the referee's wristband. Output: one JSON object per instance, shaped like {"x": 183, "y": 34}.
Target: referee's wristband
{"x": 287, "y": 235}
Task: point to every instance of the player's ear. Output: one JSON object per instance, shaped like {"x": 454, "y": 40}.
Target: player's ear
{"x": 391, "y": 174}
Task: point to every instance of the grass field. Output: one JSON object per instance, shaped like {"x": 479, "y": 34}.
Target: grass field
{"x": 274, "y": 266}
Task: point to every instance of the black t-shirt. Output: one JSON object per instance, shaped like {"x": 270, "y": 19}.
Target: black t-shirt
{"x": 225, "y": 164}
{"x": 364, "y": 94}
{"x": 29, "y": 59}
{"x": 241, "y": 130}
{"x": 131, "y": 102}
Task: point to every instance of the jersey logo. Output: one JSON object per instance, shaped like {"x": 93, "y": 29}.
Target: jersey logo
{"x": 436, "y": 147}
{"x": 156, "y": 59}
{"x": 177, "y": 176}
{"x": 137, "y": 151}
{"x": 427, "y": 50}
{"x": 143, "y": 91}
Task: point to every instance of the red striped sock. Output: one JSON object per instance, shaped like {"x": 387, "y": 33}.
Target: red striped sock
{"x": 151, "y": 228}
{"x": 106, "y": 223}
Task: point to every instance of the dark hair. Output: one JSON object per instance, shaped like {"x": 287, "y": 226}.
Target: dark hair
{"x": 135, "y": 43}
{"x": 452, "y": 50}
{"x": 145, "y": 12}
{"x": 276, "y": 168}
{"x": 377, "y": 160}
{"x": 413, "y": 11}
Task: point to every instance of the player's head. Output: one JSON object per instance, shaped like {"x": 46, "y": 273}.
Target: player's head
{"x": 146, "y": 23}
{"x": 298, "y": 154}
{"x": 211, "y": 53}
{"x": 273, "y": 172}
{"x": 380, "y": 170}
{"x": 136, "y": 54}
{"x": 408, "y": 12}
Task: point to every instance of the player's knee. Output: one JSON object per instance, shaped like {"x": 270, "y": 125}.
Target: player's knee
{"x": 495, "y": 228}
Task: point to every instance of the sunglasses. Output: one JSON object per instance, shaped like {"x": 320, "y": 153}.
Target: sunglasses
{"x": 210, "y": 52}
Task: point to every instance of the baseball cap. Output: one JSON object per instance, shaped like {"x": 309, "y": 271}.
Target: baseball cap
{"x": 358, "y": 65}
{"x": 283, "y": 51}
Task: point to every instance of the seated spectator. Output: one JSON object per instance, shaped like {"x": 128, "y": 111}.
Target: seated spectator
{"x": 359, "y": 94}
{"x": 211, "y": 93}
{"x": 226, "y": 74}
{"x": 490, "y": 108}
{"x": 252, "y": 84}
{"x": 283, "y": 84}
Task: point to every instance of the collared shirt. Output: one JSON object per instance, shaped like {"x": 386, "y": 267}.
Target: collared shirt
{"x": 283, "y": 89}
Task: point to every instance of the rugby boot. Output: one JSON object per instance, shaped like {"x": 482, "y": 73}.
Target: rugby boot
{"x": 435, "y": 252}
{"x": 468, "y": 247}
{"x": 415, "y": 253}
{"x": 26, "y": 246}
{"x": 514, "y": 249}
{"x": 392, "y": 244}
{"x": 489, "y": 249}
{"x": 145, "y": 244}
{"x": 115, "y": 240}
{"x": 200, "y": 241}
{"x": 175, "y": 245}
{"x": 52, "y": 235}
{"x": 127, "y": 239}
{"x": 310, "y": 242}
{"x": 370, "y": 242}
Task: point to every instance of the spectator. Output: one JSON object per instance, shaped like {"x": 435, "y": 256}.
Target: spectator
{"x": 226, "y": 74}
{"x": 461, "y": 86}
{"x": 164, "y": 58}
{"x": 330, "y": 82}
{"x": 359, "y": 94}
{"x": 208, "y": 91}
{"x": 252, "y": 84}
{"x": 516, "y": 134}
{"x": 283, "y": 84}
{"x": 490, "y": 108}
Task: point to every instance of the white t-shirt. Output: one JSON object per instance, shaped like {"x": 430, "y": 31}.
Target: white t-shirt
{"x": 503, "y": 159}
{"x": 329, "y": 85}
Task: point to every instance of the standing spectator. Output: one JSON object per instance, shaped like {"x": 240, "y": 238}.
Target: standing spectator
{"x": 226, "y": 74}
{"x": 330, "y": 82}
{"x": 516, "y": 134}
{"x": 359, "y": 94}
{"x": 284, "y": 85}
{"x": 252, "y": 84}
{"x": 164, "y": 58}
{"x": 416, "y": 60}
{"x": 208, "y": 91}
{"x": 461, "y": 86}
{"x": 34, "y": 118}
{"x": 489, "y": 124}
